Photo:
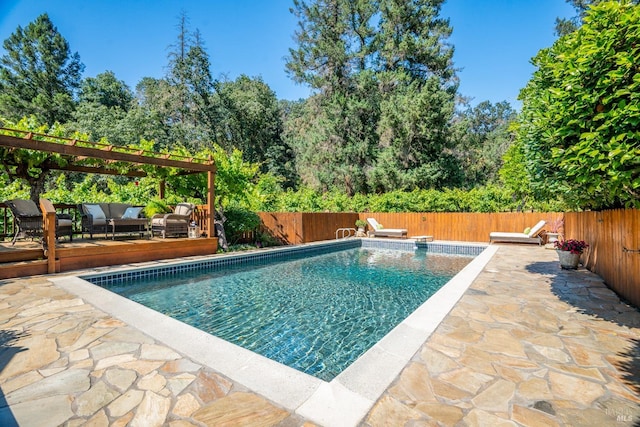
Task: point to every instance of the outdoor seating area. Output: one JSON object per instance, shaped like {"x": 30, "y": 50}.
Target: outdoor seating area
{"x": 91, "y": 235}
{"x": 97, "y": 221}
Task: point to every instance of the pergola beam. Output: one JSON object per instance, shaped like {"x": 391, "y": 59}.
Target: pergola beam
{"x": 102, "y": 171}
{"x": 95, "y": 153}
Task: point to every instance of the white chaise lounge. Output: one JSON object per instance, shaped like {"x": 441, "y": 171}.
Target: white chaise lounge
{"x": 379, "y": 231}
{"x": 532, "y": 237}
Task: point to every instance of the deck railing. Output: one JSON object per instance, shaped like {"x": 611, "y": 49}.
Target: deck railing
{"x": 6, "y": 221}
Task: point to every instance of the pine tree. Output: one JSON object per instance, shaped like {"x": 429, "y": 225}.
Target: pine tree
{"x": 38, "y": 74}
{"x": 385, "y": 91}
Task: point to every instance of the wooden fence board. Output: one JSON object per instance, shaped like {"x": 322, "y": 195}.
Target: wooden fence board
{"x": 614, "y": 247}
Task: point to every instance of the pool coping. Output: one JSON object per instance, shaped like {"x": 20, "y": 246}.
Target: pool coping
{"x": 342, "y": 402}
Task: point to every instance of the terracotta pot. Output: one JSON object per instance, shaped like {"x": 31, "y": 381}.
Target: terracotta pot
{"x": 568, "y": 261}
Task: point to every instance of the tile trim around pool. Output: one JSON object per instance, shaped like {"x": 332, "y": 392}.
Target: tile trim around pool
{"x": 342, "y": 402}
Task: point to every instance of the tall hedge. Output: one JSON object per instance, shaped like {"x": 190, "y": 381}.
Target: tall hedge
{"x": 581, "y": 112}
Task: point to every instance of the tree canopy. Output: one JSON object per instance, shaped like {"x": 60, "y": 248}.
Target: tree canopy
{"x": 38, "y": 74}
{"x": 385, "y": 95}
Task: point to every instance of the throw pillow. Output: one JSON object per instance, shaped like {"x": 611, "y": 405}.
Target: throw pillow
{"x": 537, "y": 228}
{"x": 131, "y": 213}
{"x": 95, "y": 211}
{"x": 527, "y": 230}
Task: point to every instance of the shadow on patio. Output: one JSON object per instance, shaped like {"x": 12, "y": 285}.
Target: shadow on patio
{"x": 590, "y": 296}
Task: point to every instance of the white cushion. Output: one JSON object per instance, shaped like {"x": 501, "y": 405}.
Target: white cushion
{"x": 95, "y": 211}
{"x": 536, "y": 228}
{"x": 131, "y": 213}
{"x": 182, "y": 209}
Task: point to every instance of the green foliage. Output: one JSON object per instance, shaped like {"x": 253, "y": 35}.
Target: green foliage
{"x": 481, "y": 135}
{"x": 482, "y": 199}
{"x": 12, "y": 189}
{"x": 38, "y": 74}
{"x": 414, "y": 129}
{"x": 514, "y": 175}
{"x": 156, "y": 206}
{"x": 239, "y": 220}
{"x": 30, "y": 166}
{"x": 566, "y": 26}
{"x": 581, "y": 112}
{"x": 234, "y": 181}
{"x": 103, "y": 108}
{"x": 253, "y": 125}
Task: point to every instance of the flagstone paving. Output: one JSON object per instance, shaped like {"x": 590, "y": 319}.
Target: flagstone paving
{"x": 528, "y": 344}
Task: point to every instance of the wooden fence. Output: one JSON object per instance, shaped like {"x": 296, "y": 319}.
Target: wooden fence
{"x": 295, "y": 228}
{"x": 466, "y": 227}
{"x": 614, "y": 247}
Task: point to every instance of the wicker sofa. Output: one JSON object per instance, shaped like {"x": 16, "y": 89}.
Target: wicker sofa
{"x": 112, "y": 218}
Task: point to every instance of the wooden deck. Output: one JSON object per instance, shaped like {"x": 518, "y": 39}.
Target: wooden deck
{"x": 27, "y": 258}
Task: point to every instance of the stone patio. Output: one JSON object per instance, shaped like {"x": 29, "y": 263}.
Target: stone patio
{"x": 527, "y": 345}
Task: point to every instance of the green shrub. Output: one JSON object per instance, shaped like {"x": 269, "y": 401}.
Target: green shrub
{"x": 239, "y": 220}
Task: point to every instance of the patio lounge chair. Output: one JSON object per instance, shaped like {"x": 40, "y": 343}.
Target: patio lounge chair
{"x": 379, "y": 231}
{"x": 29, "y": 221}
{"x": 532, "y": 236}
{"x": 173, "y": 224}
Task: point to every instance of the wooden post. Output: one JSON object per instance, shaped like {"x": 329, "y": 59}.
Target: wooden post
{"x": 210, "y": 202}
{"x": 162, "y": 189}
{"x": 49, "y": 233}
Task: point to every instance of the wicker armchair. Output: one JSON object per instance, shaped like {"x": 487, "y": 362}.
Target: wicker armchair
{"x": 173, "y": 224}
{"x": 29, "y": 222}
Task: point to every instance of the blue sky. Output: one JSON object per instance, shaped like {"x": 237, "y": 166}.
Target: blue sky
{"x": 494, "y": 39}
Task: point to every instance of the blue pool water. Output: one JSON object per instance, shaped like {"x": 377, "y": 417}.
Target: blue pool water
{"x": 317, "y": 314}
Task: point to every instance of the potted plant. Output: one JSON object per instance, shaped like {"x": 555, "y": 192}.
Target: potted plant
{"x": 554, "y": 232}
{"x": 569, "y": 252}
{"x": 360, "y": 225}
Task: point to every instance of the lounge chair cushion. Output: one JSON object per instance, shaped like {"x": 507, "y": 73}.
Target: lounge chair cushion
{"x": 537, "y": 228}
{"x": 380, "y": 231}
{"x": 132, "y": 212}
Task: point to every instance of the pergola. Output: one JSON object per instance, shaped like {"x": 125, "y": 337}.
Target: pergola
{"x": 75, "y": 152}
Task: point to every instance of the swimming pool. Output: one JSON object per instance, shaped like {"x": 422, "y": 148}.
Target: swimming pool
{"x": 343, "y": 401}
{"x": 315, "y": 314}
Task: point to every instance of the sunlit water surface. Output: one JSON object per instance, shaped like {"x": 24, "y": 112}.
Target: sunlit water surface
{"x": 317, "y": 314}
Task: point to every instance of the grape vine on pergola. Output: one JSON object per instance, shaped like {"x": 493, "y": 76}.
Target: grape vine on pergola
{"x": 106, "y": 159}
